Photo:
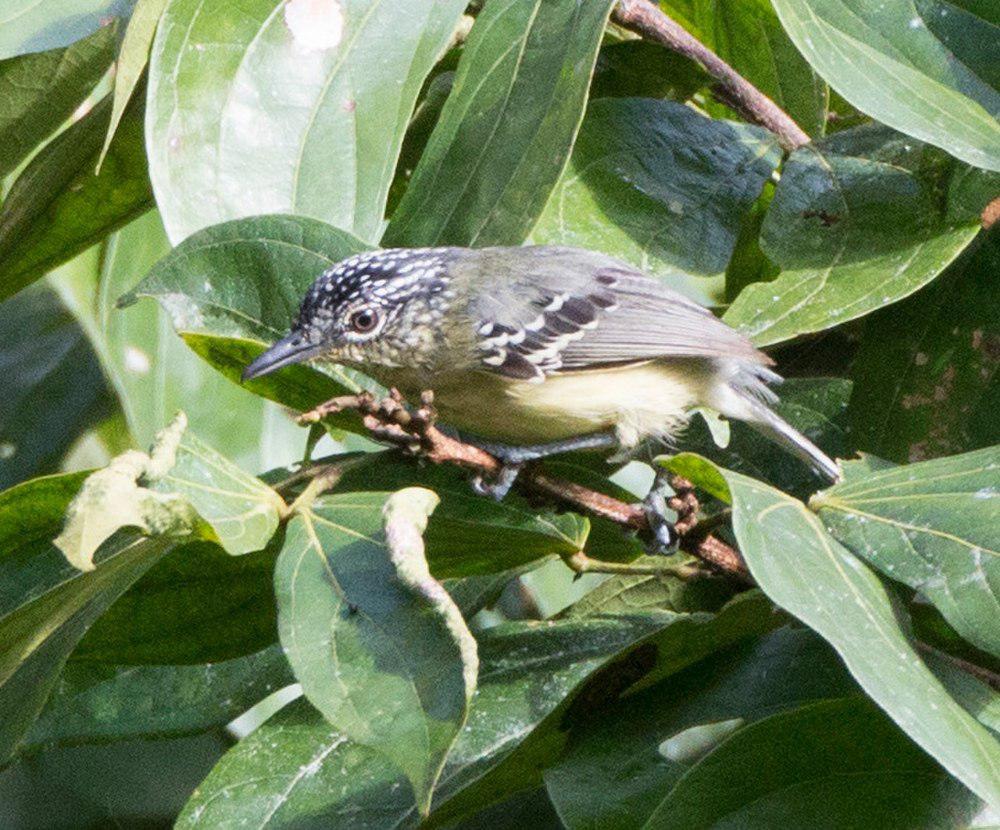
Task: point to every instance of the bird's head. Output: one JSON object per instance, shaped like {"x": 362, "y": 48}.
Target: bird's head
{"x": 379, "y": 308}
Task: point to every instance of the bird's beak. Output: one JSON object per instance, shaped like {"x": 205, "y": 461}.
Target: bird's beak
{"x": 291, "y": 349}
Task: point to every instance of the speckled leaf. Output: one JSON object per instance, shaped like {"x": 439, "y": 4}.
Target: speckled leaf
{"x": 925, "y": 67}
{"x": 236, "y": 287}
{"x": 507, "y": 128}
{"x": 32, "y": 26}
{"x": 58, "y": 206}
{"x": 829, "y": 764}
{"x": 826, "y": 230}
{"x": 94, "y": 702}
{"x": 748, "y": 36}
{"x": 661, "y": 186}
{"x": 133, "y": 55}
{"x": 297, "y": 107}
{"x": 46, "y": 605}
{"x": 933, "y": 525}
{"x": 927, "y": 374}
{"x": 833, "y": 592}
{"x": 38, "y": 93}
{"x": 379, "y": 647}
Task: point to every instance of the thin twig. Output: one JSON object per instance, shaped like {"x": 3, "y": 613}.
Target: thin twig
{"x": 990, "y": 678}
{"x": 647, "y": 20}
{"x": 390, "y": 421}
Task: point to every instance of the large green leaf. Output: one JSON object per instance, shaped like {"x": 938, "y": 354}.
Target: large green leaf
{"x": 46, "y": 605}
{"x": 58, "y": 206}
{"x": 298, "y": 107}
{"x": 235, "y": 287}
{"x": 831, "y": 764}
{"x": 507, "y": 128}
{"x": 619, "y": 767}
{"x": 53, "y": 387}
{"x": 933, "y": 525}
{"x": 641, "y": 69}
{"x": 661, "y": 186}
{"x": 748, "y": 36}
{"x": 94, "y": 702}
{"x": 834, "y": 593}
{"x": 40, "y": 92}
{"x": 927, "y": 375}
{"x": 925, "y": 67}
{"x": 379, "y": 647}
{"x": 30, "y": 26}
{"x": 153, "y": 372}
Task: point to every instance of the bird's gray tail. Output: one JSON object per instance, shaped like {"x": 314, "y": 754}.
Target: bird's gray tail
{"x": 771, "y": 426}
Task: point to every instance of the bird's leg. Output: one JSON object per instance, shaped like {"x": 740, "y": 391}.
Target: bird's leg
{"x": 664, "y": 534}
{"x": 514, "y": 458}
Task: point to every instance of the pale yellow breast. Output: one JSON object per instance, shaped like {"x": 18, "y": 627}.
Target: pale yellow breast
{"x": 638, "y": 401}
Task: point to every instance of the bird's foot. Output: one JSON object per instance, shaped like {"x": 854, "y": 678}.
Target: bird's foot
{"x": 500, "y": 486}
{"x": 663, "y": 535}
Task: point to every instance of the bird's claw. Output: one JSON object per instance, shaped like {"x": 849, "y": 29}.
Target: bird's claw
{"x": 500, "y": 486}
{"x": 663, "y": 536}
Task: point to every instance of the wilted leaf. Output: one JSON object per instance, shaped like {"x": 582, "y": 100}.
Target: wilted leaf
{"x": 834, "y": 593}
{"x": 53, "y": 388}
{"x": 94, "y": 702}
{"x": 133, "y": 55}
{"x": 927, "y": 375}
{"x": 379, "y": 647}
{"x": 826, "y": 230}
{"x": 30, "y": 26}
{"x": 934, "y": 526}
{"x": 235, "y": 287}
{"x": 507, "y": 128}
{"x": 39, "y": 92}
{"x": 926, "y": 68}
{"x": 58, "y": 206}
{"x": 273, "y": 107}
{"x": 661, "y": 186}
{"x": 831, "y": 763}
{"x": 46, "y": 605}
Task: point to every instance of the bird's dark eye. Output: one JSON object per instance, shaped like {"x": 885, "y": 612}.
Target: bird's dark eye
{"x": 363, "y": 320}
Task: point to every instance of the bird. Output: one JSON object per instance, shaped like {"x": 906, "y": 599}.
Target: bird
{"x": 537, "y": 349}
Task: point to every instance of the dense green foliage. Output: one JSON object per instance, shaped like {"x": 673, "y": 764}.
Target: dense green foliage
{"x": 175, "y": 174}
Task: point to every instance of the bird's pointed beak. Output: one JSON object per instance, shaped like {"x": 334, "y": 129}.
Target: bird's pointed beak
{"x": 291, "y": 349}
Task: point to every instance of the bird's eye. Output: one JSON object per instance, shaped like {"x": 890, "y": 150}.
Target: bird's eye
{"x": 363, "y": 321}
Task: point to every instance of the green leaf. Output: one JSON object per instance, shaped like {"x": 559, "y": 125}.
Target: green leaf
{"x": 640, "y": 69}
{"x": 45, "y": 604}
{"x": 927, "y": 374}
{"x": 132, "y": 59}
{"x": 835, "y": 594}
{"x": 933, "y": 525}
{"x": 926, "y": 68}
{"x": 58, "y": 207}
{"x": 41, "y": 91}
{"x": 299, "y": 107}
{"x": 468, "y": 535}
{"x": 830, "y": 764}
{"x": 660, "y": 186}
{"x": 152, "y": 370}
{"x": 95, "y": 702}
{"x": 53, "y": 387}
{"x": 379, "y": 647}
{"x": 827, "y": 232}
{"x": 30, "y": 26}
{"x": 748, "y": 36}
{"x": 507, "y": 128}
{"x": 619, "y": 767}
{"x": 235, "y": 287}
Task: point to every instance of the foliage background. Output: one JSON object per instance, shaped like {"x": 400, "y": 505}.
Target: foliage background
{"x": 175, "y": 174}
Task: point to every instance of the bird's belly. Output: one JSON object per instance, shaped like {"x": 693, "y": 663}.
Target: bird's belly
{"x": 638, "y": 401}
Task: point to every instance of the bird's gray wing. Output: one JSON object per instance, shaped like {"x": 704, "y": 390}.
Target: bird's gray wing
{"x": 567, "y": 310}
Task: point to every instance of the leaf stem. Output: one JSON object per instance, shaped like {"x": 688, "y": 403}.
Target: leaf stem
{"x": 646, "y": 19}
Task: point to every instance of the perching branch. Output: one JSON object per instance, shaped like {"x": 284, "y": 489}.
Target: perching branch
{"x": 646, "y": 19}
{"x": 390, "y": 421}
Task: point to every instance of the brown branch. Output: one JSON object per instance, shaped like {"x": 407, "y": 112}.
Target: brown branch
{"x": 646, "y": 19}
{"x": 390, "y": 421}
{"x": 990, "y": 678}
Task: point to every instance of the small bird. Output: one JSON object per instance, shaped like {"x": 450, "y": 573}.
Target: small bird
{"x": 539, "y": 349}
